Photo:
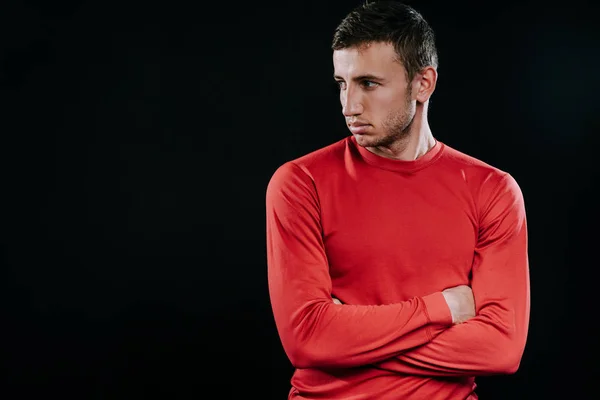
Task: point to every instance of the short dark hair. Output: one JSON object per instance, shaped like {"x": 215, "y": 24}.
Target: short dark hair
{"x": 390, "y": 22}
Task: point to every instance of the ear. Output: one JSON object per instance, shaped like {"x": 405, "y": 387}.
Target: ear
{"x": 424, "y": 84}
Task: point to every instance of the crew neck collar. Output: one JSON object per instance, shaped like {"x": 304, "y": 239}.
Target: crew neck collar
{"x": 399, "y": 165}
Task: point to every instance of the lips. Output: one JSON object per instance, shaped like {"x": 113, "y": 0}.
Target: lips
{"x": 359, "y": 127}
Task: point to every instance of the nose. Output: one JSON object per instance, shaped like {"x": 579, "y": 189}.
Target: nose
{"x": 351, "y": 102}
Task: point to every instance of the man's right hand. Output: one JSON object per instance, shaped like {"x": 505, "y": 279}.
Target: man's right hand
{"x": 461, "y": 302}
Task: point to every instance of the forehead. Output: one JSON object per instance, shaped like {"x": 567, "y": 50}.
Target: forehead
{"x": 372, "y": 58}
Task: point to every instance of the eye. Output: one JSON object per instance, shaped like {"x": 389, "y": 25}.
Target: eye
{"x": 370, "y": 84}
{"x": 341, "y": 85}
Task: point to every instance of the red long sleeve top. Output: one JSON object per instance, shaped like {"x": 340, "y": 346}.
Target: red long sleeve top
{"x": 386, "y": 237}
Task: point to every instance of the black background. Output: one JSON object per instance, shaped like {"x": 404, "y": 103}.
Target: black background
{"x": 138, "y": 142}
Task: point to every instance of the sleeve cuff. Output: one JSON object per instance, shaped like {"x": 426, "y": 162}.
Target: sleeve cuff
{"x": 437, "y": 309}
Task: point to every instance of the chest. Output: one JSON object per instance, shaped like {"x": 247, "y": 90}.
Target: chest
{"x": 400, "y": 236}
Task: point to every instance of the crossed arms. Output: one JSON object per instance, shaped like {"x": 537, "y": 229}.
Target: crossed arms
{"x": 421, "y": 336}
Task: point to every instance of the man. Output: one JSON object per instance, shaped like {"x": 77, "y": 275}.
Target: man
{"x": 397, "y": 265}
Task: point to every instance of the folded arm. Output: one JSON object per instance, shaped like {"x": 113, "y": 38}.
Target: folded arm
{"x": 309, "y": 324}
{"x": 494, "y": 340}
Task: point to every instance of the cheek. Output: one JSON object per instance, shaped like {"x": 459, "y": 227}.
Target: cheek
{"x": 384, "y": 105}
{"x": 397, "y": 112}
{"x": 400, "y": 104}
{"x": 386, "y": 100}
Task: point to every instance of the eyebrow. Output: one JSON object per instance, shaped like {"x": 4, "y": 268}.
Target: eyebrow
{"x": 366, "y": 77}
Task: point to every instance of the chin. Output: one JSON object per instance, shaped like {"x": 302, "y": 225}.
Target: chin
{"x": 365, "y": 141}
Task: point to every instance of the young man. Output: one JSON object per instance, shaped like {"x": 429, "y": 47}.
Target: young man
{"x": 397, "y": 265}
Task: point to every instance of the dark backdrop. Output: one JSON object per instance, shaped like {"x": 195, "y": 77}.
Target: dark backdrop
{"x": 138, "y": 140}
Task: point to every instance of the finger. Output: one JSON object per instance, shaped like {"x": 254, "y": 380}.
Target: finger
{"x": 336, "y": 301}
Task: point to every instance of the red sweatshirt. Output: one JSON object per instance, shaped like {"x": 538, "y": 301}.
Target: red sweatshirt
{"x": 386, "y": 237}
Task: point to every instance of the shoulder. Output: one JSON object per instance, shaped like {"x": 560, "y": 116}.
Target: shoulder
{"x": 480, "y": 173}
{"x": 301, "y": 171}
{"x": 487, "y": 183}
{"x": 313, "y": 162}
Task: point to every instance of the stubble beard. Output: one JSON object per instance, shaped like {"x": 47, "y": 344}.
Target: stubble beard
{"x": 395, "y": 129}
